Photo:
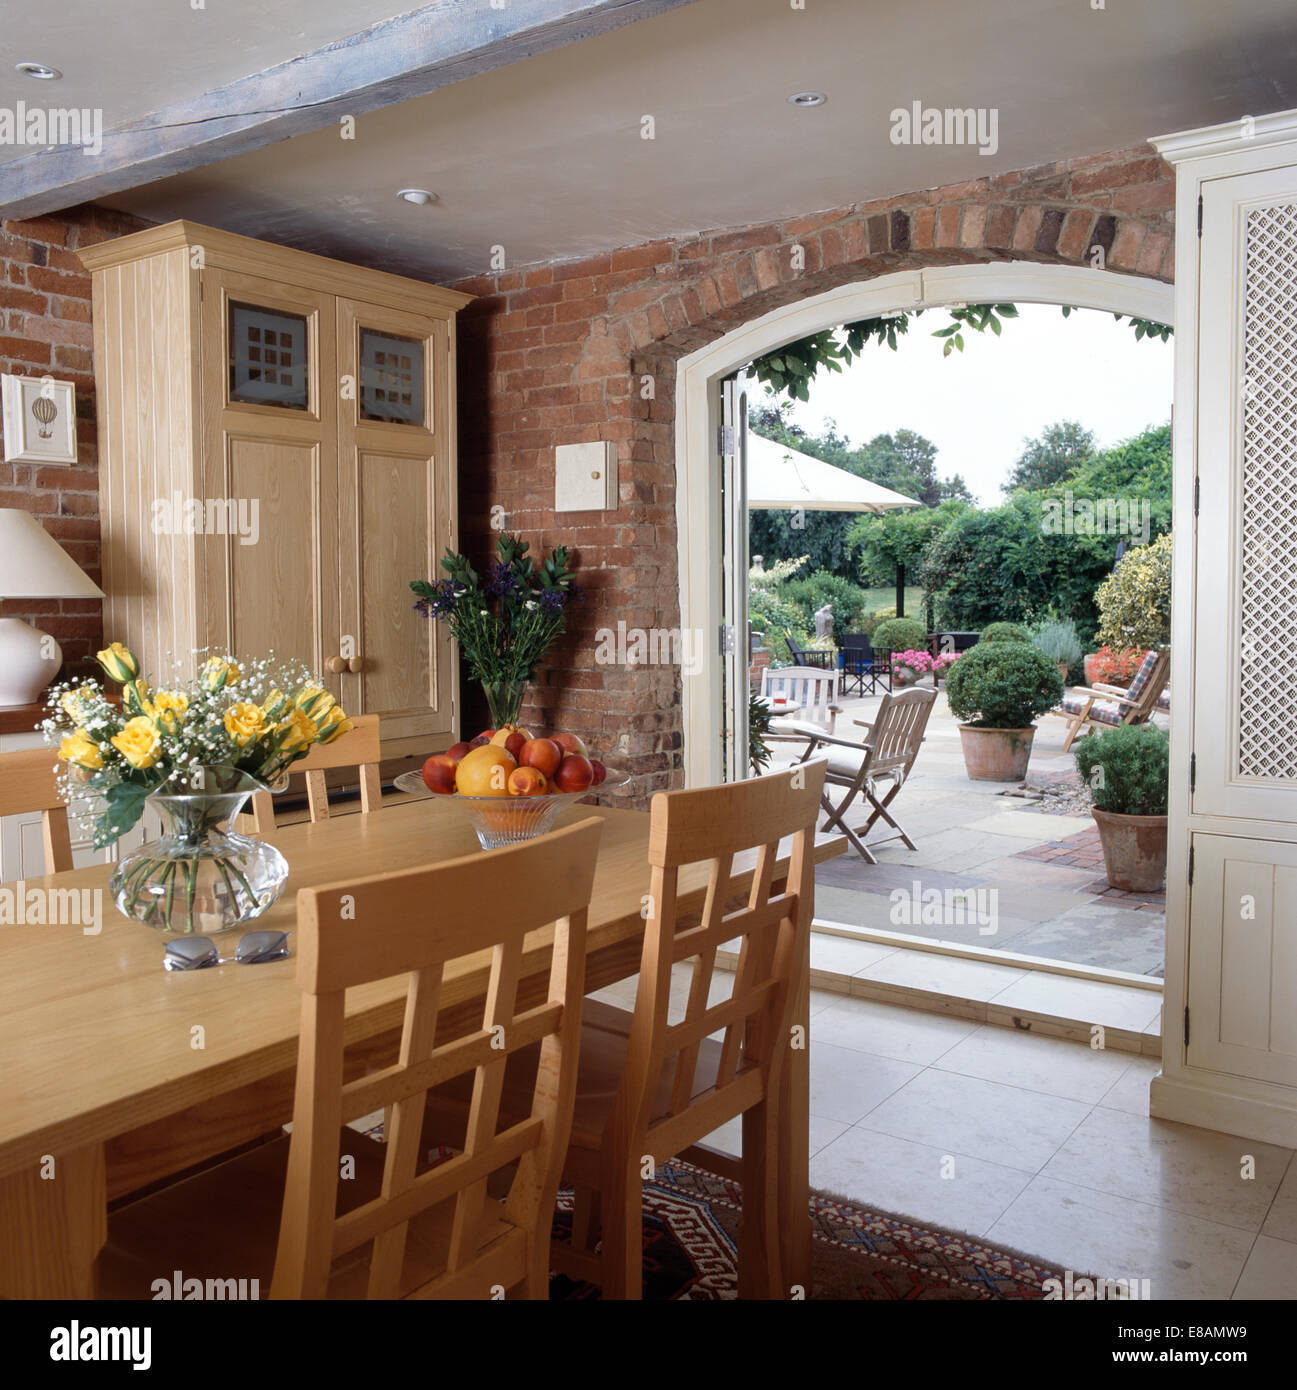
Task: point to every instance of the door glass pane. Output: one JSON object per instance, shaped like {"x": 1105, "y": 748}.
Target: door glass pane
{"x": 268, "y": 357}
{"x": 391, "y": 377}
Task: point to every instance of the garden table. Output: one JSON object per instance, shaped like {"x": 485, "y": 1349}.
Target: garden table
{"x": 117, "y": 1073}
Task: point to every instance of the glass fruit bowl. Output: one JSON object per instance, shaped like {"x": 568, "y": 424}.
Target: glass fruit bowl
{"x": 509, "y": 820}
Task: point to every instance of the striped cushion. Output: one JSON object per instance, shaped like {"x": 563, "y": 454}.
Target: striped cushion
{"x": 1142, "y": 676}
{"x": 1164, "y": 700}
{"x": 1103, "y": 711}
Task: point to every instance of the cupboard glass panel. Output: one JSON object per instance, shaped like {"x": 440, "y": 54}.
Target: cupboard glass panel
{"x": 268, "y": 357}
{"x": 391, "y": 377}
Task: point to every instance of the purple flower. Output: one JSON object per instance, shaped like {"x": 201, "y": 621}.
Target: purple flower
{"x": 553, "y": 600}
{"x": 442, "y": 602}
{"x": 500, "y": 579}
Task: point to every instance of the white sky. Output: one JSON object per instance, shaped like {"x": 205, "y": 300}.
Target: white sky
{"x": 978, "y": 406}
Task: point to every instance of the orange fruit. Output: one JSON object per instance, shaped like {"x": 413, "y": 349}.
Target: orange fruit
{"x": 527, "y": 781}
{"x": 484, "y": 771}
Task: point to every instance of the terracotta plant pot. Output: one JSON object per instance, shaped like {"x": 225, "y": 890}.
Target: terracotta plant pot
{"x": 1090, "y": 666}
{"x": 1134, "y": 850}
{"x": 1062, "y": 671}
{"x": 996, "y": 755}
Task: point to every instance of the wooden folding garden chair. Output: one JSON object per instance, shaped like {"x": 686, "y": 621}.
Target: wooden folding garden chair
{"x": 887, "y": 754}
{"x": 1109, "y": 706}
{"x": 815, "y": 692}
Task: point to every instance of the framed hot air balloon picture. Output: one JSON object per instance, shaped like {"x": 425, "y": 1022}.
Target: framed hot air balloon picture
{"x": 40, "y": 419}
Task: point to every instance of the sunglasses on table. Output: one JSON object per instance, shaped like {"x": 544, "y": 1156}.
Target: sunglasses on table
{"x": 200, "y": 952}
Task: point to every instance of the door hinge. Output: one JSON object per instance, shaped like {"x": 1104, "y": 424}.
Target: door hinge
{"x": 725, "y": 439}
{"x": 1193, "y": 772}
{"x": 1190, "y": 866}
{"x": 1197, "y": 493}
{"x": 1200, "y": 214}
{"x": 727, "y": 639}
{"x": 1186, "y": 1025}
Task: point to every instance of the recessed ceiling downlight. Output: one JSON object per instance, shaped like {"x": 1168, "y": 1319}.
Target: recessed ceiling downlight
{"x": 42, "y": 71}
{"x": 807, "y": 99}
{"x": 419, "y": 196}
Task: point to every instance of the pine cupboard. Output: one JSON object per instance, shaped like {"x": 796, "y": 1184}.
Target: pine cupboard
{"x": 277, "y": 462}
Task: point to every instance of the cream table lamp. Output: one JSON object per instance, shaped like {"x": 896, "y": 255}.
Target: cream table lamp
{"x": 32, "y": 565}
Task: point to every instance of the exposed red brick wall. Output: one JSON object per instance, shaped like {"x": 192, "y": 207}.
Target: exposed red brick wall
{"x": 45, "y": 329}
{"x": 554, "y": 354}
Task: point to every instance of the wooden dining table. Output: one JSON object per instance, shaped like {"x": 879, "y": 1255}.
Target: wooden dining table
{"x": 116, "y": 1074}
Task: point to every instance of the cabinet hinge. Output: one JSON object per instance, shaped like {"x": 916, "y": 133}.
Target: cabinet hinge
{"x": 1197, "y": 492}
{"x": 1193, "y": 772}
{"x": 1190, "y": 866}
{"x": 725, "y": 440}
{"x": 727, "y": 639}
{"x": 1200, "y": 214}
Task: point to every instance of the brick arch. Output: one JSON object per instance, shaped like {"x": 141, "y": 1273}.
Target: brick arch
{"x": 587, "y": 349}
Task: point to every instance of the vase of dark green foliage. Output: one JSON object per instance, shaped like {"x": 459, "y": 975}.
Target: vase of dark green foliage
{"x": 503, "y": 621}
{"x": 998, "y": 688}
{"x": 1126, "y": 770}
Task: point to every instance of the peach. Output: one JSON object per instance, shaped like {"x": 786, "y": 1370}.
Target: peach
{"x": 600, "y": 771}
{"x": 542, "y": 753}
{"x": 574, "y": 773}
{"x": 457, "y": 750}
{"x": 527, "y": 781}
{"x": 570, "y": 743}
{"x": 439, "y": 774}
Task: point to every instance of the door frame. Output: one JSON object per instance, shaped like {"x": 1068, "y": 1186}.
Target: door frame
{"x": 699, "y": 523}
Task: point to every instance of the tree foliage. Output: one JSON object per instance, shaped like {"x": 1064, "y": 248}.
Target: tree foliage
{"x": 1135, "y": 600}
{"x": 1056, "y": 452}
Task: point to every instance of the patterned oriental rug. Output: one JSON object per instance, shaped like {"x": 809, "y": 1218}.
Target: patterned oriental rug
{"x": 691, "y": 1220}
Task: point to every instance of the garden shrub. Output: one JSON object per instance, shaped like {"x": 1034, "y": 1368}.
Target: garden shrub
{"x": 900, "y": 634}
{"x": 1059, "y": 641}
{"x": 815, "y": 590}
{"x": 1135, "y": 600}
{"x": 1003, "y": 685}
{"x": 773, "y": 617}
{"x": 1005, "y": 632}
{"x": 1127, "y": 769}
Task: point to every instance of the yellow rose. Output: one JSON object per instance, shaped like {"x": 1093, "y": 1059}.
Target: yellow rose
{"x": 76, "y": 703}
{"x": 136, "y": 695}
{"x": 298, "y": 732}
{"x": 217, "y": 673}
{"x": 119, "y": 661}
{"x": 80, "y": 750}
{"x": 274, "y": 705}
{"x": 334, "y": 725}
{"x": 244, "y": 722}
{"x": 315, "y": 700}
{"x": 167, "y": 709}
{"x": 138, "y": 742}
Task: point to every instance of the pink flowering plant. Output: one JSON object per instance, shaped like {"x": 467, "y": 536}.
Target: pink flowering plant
{"x": 920, "y": 662}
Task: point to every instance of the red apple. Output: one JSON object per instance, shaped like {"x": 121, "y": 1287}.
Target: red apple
{"x": 542, "y": 753}
{"x": 600, "y": 771}
{"x": 457, "y": 750}
{"x": 570, "y": 743}
{"x": 439, "y": 774}
{"x": 574, "y": 773}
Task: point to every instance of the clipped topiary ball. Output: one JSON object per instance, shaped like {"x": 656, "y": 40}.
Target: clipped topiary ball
{"x": 901, "y": 635}
{"x": 1005, "y": 632}
{"x": 1003, "y": 685}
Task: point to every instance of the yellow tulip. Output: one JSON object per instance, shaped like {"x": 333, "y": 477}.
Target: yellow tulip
{"x": 244, "y": 722}
{"x": 119, "y": 661}
{"x": 334, "y": 725}
{"x": 167, "y": 709}
{"x": 138, "y": 742}
{"x": 80, "y": 750}
{"x": 218, "y": 672}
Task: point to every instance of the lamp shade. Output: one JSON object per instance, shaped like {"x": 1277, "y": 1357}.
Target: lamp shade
{"x": 34, "y": 565}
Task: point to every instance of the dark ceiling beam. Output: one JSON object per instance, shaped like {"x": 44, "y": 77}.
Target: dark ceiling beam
{"x": 393, "y": 61}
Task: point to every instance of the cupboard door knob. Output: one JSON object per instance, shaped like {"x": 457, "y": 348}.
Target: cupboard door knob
{"x": 356, "y": 664}
{"x": 335, "y": 665}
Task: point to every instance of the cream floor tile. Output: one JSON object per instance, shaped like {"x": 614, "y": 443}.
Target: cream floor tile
{"x": 846, "y": 1085}
{"x": 1130, "y": 1092}
{"x": 1270, "y": 1272}
{"x": 886, "y": 1030}
{"x": 1281, "y": 1221}
{"x": 898, "y": 1175}
{"x": 1195, "y": 1171}
{"x": 729, "y": 1137}
{"x": 1032, "y": 826}
{"x": 839, "y": 955}
{"x": 1112, "y": 1237}
{"x": 1035, "y": 1063}
{"x": 968, "y": 979}
{"x": 980, "y": 1119}
{"x": 1091, "y": 1001}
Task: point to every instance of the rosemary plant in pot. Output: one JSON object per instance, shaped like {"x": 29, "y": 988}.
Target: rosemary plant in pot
{"x": 505, "y": 621}
{"x": 195, "y": 753}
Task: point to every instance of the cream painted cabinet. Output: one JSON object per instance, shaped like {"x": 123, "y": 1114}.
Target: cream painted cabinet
{"x": 1230, "y": 1045}
{"x": 277, "y": 462}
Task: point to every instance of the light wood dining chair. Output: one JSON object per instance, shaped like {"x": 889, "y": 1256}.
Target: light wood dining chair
{"x": 392, "y": 1230}
{"x": 652, "y": 1089}
{"x": 27, "y": 783}
{"x": 359, "y": 749}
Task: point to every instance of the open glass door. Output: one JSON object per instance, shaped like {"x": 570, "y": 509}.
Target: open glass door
{"x": 735, "y": 646}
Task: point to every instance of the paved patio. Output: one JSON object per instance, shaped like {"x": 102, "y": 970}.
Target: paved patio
{"x": 1036, "y": 858}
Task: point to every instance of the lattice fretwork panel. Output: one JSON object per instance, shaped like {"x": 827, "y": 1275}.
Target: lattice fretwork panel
{"x": 1267, "y": 748}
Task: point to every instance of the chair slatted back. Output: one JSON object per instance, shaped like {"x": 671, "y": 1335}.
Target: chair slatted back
{"x": 1147, "y": 685}
{"x": 815, "y": 690}
{"x": 897, "y": 730}
{"x": 715, "y": 826}
{"x": 415, "y": 922}
{"x": 360, "y": 749}
{"x": 27, "y": 783}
